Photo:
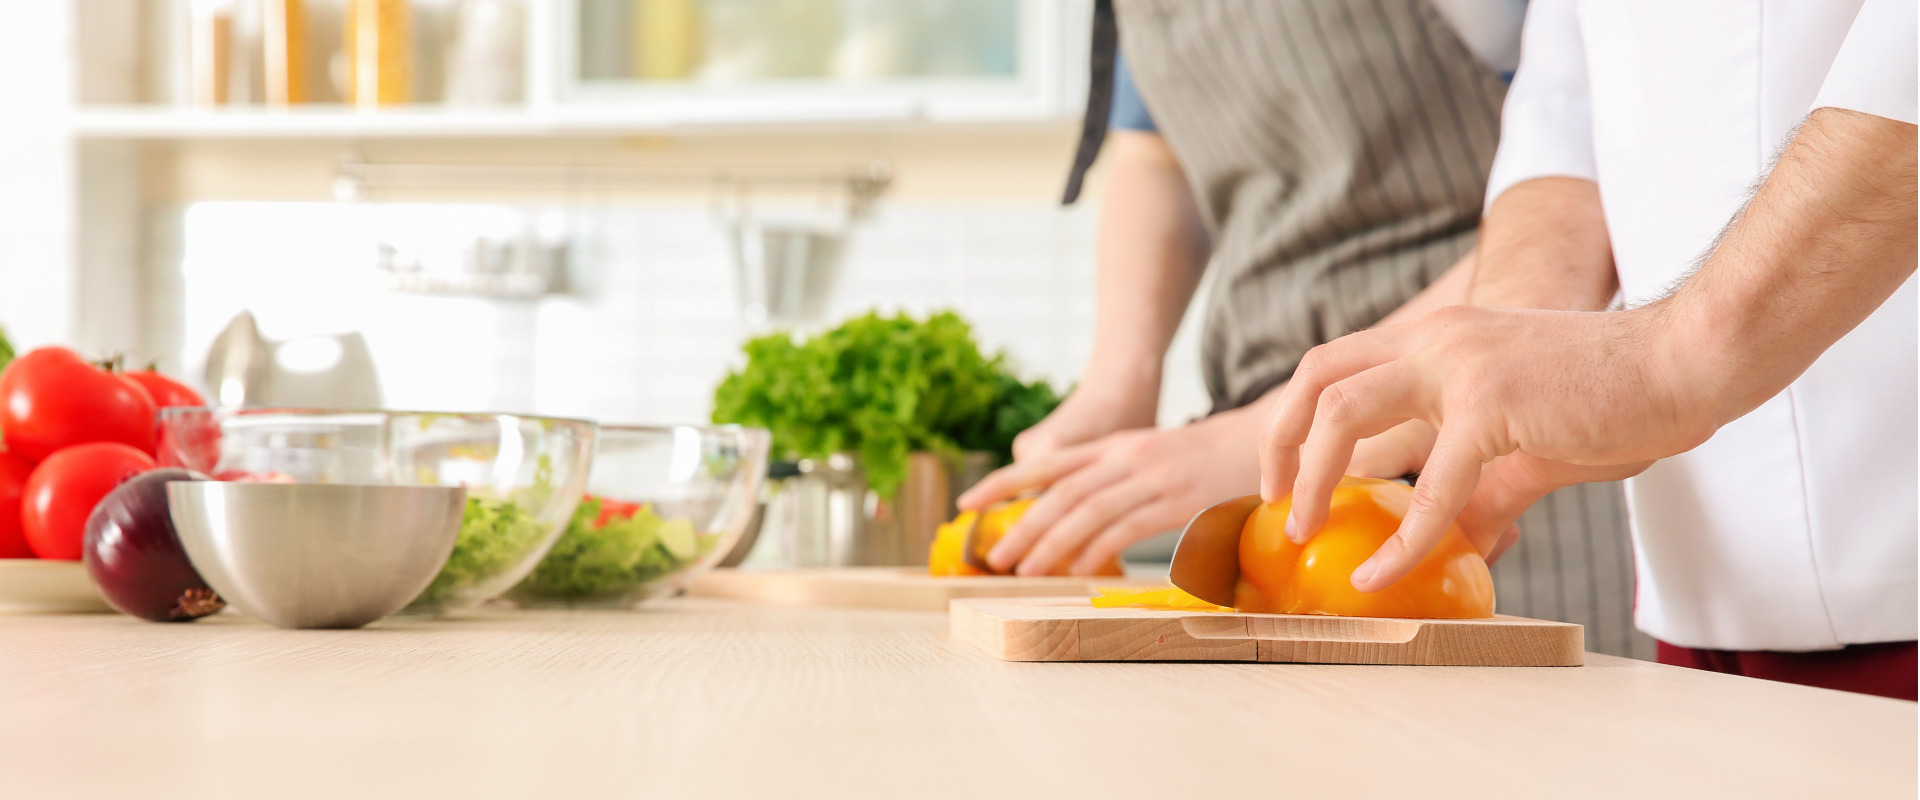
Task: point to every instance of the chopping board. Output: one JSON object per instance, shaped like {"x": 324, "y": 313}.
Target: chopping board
{"x": 1070, "y": 629}
{"x": 30, "y": 585}
{"x": 909, "y": 588}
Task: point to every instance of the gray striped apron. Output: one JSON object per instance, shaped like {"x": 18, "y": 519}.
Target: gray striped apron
{"x": 1338, "y": 151}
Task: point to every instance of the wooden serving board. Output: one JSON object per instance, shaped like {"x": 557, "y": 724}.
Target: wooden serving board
{"x": 1069, "y": 629}
{"x": 909, "y": 588}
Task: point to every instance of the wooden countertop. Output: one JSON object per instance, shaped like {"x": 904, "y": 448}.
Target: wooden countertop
{"x": 720, "y": 699}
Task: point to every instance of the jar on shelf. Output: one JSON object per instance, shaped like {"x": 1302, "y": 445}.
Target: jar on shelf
{"x": 379, "y": 51}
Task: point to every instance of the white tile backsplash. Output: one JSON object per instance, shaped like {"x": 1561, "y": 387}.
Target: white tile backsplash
{"x": 649, "y": 322}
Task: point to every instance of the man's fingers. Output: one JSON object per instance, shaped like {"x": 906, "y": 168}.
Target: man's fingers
{"x": 1278, "y": 465}
{"x": 1089, "y": 517}
{"x": 1398, "y": 452}
{"x": 1444, "y": 489}
{"x": 1506, "y": 490}
{"x": 1148, "y": 519}
{"x": 1021, "y": 476}
{"x": 1507, "y": 541}
{"x": 1322, "y": 366}
{"x": 1364, "y": 405}
{"x": 1054, "y": 503}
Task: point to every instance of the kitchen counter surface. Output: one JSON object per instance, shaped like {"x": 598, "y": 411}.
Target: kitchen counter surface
{"x": 721, "y": 699}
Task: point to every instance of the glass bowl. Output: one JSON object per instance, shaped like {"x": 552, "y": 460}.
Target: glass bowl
{"x": 663, "y": 505}
{"x": 523, "y": 475}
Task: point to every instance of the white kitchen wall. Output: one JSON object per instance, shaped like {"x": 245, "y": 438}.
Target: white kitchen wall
{"x": 650, "y": 320}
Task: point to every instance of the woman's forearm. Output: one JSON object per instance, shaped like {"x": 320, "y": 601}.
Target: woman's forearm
{"x": 1150, "y": 253}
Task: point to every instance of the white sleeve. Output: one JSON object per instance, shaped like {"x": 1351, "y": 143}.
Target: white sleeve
{"x": 1546, "y": 127}
{"x": 1874, "y": 72}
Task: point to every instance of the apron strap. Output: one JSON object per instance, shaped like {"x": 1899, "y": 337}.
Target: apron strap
{"x": 1093, "y": 130}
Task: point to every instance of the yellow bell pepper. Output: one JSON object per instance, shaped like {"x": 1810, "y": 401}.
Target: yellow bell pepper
{"x": 948, "y": 554}
{"x": 1170, "y": 598}
{"x": 1280, "y": 577}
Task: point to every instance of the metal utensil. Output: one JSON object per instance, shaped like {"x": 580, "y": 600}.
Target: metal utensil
{"x": 245, "y": 368}
{"x": 970, "y": 549}
{"x": 823, "y": 513}
{"x": 1206, "y": 564}
{"x": 316, "y": 555}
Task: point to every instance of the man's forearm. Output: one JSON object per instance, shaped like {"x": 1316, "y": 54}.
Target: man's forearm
{"x": 1544, "y": 245}
{"x": 1450, "y": 289}
{"x": 1151, "y": 251}
{"x": 1826, "y": 239}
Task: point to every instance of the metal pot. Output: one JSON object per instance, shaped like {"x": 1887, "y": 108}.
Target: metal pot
{"x": 821, "y": 513}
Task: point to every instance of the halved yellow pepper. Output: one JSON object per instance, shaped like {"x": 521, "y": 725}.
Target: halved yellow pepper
{"x": 947, "y": 558}
{"x": 1170, "y": 598}
{"x": 948, "y": 555}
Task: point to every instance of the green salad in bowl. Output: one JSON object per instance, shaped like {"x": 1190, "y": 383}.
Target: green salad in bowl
{"x": 663, "y": 505}
{"x": 495, "y": 536}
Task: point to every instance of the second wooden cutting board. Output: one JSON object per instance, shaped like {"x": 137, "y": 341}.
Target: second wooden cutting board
{"x": 1071, "y": 629}
{"x": 909, "y": 588}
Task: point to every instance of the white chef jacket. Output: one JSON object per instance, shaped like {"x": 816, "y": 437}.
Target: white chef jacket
{"x": 1794, "y": 527}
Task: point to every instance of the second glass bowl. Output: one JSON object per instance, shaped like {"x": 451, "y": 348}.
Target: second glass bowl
{"x": 663, "y": 505}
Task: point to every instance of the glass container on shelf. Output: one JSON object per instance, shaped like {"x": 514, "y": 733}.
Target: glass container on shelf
{"x": 731, "y": 42}
{"x": 484, "y": 65}
{"x": 379, "y": 52}
{"x": 283, "y": 45}
{"x": 210, "y": 39}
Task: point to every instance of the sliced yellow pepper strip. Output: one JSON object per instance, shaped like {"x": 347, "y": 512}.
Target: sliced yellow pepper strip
{"x": 1168, "y": 599}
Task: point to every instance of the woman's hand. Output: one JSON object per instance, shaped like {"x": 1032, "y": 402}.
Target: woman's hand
{"x": 1102, "y": 496}
{"x": 1089, "y": 413}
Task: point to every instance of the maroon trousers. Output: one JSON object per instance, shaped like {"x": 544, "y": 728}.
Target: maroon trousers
{"x": 1887, "y": 669}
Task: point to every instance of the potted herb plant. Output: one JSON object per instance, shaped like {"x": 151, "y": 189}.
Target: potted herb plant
{"x": 888, "y": 418}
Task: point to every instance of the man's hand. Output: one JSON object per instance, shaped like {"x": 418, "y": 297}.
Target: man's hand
{"x": 1541, "y": 399}
{"x": 1555, "y": 392}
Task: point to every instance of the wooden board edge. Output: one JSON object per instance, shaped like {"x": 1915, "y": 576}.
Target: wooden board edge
{"x": 874, "y": 587}
{"x": 1162, "y": 637}
{"x": 1008, "y": 639}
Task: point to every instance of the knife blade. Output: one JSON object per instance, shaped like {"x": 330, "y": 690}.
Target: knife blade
{"x": 971, "y": 551}
{"x": 1206, "y": 562}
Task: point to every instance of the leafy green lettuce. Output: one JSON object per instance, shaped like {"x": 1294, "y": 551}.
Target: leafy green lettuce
{"x": 881, "y": 388}
{"x": 494, "y": 535}
{"x": 600, "y": 561}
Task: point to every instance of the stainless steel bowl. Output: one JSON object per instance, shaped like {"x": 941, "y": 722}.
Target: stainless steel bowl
{"x": 523, "y": 475}
{"x": 316, "y": 555}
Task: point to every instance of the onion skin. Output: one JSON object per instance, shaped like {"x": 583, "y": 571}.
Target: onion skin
{"x": 135, "y": 557}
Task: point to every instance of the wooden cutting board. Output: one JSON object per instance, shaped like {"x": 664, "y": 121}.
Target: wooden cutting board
{"x": 909, "y": 588}
{"x": 1069, "y": 629}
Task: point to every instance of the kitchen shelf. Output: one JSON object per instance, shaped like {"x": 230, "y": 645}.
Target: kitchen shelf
{"x": 761, "y": 115}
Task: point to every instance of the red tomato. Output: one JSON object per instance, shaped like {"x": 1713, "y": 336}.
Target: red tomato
{"x": 13, "y": 482}
{"x": 166, "y": 392}
{"x": 52, "y": 398}
{"x": 65, "y": 487}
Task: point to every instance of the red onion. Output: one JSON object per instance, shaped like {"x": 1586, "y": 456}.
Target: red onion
{"x": 135, "y": 556}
